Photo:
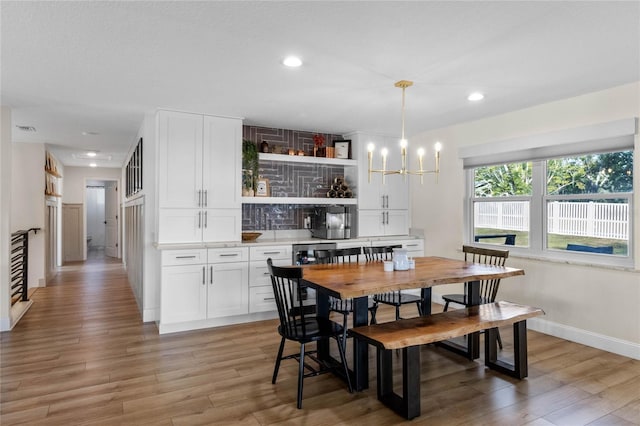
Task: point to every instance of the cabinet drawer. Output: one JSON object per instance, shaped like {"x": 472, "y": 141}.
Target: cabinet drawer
{"x": 232, "y": 254}
{"x": 183, "y": 257}
{"x": 261, "y": 299}
{"x": 273, "y": 252}
{"x": 259, "y": 272}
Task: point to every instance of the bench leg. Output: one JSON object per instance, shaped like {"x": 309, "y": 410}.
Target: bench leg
{"x": 408, "y": 405}
{"x": 519, "y": 369}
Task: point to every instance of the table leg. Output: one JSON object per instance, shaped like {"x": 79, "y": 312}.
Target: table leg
{"x": 360, "y": 348}
{"x": 472, "y": 348}
{"x": 322, "y": 306}
{"x": 425, "y": 305}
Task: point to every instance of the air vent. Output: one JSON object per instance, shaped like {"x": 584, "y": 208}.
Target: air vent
{"x": 27, "y": 128}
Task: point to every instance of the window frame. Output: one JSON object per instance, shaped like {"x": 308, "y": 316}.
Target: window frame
{"x": 538, "y": 217}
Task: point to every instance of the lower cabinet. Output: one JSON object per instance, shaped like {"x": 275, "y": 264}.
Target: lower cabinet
{"x": 260, "y": 290}
{"x": 203, "y": 284}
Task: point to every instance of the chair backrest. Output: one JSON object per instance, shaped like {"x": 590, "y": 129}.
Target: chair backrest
{"x": 287, "y": 290}
{"x": 488, "y": 288}
{"x": 324, "y": 256}
{"x": 347, "y": 255}
{"x": 379, "y": 253}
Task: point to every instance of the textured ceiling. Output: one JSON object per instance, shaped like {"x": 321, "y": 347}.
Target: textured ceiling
{"x": 69, "y": 67}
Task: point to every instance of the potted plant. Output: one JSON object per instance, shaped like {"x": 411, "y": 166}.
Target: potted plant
{"x": 249, "y": 167}
{"x": 318, "y": 146}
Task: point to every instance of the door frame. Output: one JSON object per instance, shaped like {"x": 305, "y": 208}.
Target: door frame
{"x": 119, "y": 209}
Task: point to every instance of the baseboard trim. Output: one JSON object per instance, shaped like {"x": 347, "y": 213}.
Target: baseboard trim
{"x": 5, "y": 324}
{"x": 578, "y": 335}
{"x": 585, "y": 337}
{"x": 150, "y": 315}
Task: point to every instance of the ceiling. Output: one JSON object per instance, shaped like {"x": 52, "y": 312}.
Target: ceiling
{"x": 98, "y": 67}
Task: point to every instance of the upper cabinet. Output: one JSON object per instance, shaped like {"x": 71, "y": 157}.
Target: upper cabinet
{"x": 382, "y": 207}
{"x": 199, "y": 185}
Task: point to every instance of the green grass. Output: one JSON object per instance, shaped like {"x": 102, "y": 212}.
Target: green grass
{"x": 555, "y": 241}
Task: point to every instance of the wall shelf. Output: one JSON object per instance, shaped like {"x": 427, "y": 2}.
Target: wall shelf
{"x": 307, "y": 159}
{"x": 299, "y": 200}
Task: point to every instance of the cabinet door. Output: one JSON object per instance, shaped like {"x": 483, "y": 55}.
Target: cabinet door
{"x": 180, "y": 225}
{"x": 222, "y": 149}
{"x": 396, "y": 222}
{"x": 396, "y": 187}
{"x": 179, "y": 159}
{"x": 369, "y": 195}
{"x": 221, "y": 225}
{"x": 183, "y": 295}
{"x": 228, "y": 289}
{"x": 370, "y": 223}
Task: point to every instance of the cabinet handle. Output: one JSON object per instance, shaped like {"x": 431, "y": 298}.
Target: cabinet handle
{"x": 266, "y": 273}
{"x": 383, "y": 201}
{"x": 383, "y": 218}
{"x": 199, "y": 197}
{"x": 387, "y": 217}
{"x": 203, "y": 272}
{"x": 269, "y": 298}
{"x": 271, "y": 252}
{"x": 199, "y": 220}
{"x": 412, "y": 245}
{"x": 185, "y": 257}
{"x": 211, "y": 275}
{"x": 228, "y": 254}
{"x": 205, "y": 219}
{"x": 206, "y": 197}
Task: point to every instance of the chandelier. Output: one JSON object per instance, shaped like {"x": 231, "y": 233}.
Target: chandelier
{"x": 403, "y": 84}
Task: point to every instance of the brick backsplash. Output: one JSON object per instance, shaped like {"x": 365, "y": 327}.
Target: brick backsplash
{"x": 288, "y": 179}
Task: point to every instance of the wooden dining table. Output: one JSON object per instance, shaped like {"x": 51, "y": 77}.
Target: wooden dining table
{"x": 359, "y": 280}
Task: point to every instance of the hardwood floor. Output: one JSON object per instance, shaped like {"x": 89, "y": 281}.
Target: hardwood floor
{"x": 81, "y": 355}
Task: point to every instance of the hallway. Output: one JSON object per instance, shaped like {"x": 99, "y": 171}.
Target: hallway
{"x": 81, "y": 355}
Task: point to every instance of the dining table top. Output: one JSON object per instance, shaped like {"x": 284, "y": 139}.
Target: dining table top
{"x": 358, "y": 279}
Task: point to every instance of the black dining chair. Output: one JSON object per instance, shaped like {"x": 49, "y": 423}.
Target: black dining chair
{"x": 488, "y": 288}
{"x": 393, "y": 298}
{"x": 344, "y": 306}
{"x": 299, "y": 326}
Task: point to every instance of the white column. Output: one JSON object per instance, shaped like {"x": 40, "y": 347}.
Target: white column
{"x": 5, "y": 217}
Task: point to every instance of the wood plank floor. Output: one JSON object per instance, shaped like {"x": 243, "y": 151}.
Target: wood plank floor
{"x": 81, "y": 355}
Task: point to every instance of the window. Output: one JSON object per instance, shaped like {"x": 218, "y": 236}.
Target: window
{"x": 568, "y": 207}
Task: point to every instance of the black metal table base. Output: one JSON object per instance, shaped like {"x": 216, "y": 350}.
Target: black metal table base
{"x": 408, "y": 405}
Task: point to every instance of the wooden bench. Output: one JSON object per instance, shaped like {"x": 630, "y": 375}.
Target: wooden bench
{"x": 410, "y": 334}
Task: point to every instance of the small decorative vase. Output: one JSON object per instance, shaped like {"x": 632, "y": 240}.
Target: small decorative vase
{"x": 264, "y": 146}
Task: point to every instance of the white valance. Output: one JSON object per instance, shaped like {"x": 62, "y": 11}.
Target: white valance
{"x": 612, "y": 136}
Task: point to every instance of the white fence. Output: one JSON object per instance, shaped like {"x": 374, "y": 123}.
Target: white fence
{"x": 585, "y": 219}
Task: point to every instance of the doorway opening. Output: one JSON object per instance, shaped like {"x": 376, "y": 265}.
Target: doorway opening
{"x": 102, "y": 233}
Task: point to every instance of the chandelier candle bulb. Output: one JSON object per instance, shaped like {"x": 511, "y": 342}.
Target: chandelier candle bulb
{"x": 370, "y": 149}
{"x": 384, "y": 163}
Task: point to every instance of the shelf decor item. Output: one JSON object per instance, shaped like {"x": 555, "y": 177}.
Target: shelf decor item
{"x": 249, "y": 166}
{"x": 342, "y": 149}
{"x": 318, "y": 146}
{"x": 262, "y": 187}
{"x": 250, "y": 236}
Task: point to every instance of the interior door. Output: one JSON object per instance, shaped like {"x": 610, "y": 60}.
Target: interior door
{"x": 111, "y": 219}
{"x": 72, "y": 230}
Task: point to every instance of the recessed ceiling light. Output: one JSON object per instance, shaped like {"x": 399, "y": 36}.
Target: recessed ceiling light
{"x": 91, "y": 154}
{"x": 93, "y": 165}
{"x": 292, "y": 61}
{"x": 90, "y": 133}
{"x": 475, "y": 96}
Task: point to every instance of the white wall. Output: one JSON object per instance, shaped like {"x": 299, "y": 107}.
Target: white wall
{"x": 27, "y": 204}
{"x": 75, "y": 181}
{"x": 592, "y": 305}
{"x": 5, "y": 216}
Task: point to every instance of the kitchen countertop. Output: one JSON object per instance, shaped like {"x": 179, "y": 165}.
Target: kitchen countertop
{"x": 276, "y": 241}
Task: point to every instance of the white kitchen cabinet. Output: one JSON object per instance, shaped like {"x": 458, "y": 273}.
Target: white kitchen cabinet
{"x": 383, "y": 208}
{"x": 202, "y": 284}
{"x": 261, "y": 297}
{"x": 199, "y": 188}
{"x": 184, "y": 293}
{"x": 374, "y": 223}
